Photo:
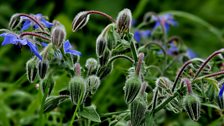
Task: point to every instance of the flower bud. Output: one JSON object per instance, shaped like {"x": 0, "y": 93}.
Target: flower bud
{"x": 77, "y": 88}
{"x": 212, "y": 92}
{"x": 131, "y": 89}
{"x": 105, "y": 57}
{"x": 101, "y": 45}
{"x": 164, "y": 85}
{"x": 52, "y": 102}
{"x": 47, "y": 85}
{"x": 80, "y": 20}
{"x": 14, "y": 21}
{"x": 31, "y": 70}
{"x": 93, "y": 83}
{"x": 138, "y": 109}
{"x": 192, "y": 106}
{"x": 91, "y": 64}
{"x": 221, "y": 97}
{"x": 42, "y": 68}
{"x": 103, "y": 71}
{"x": 123, "y": 21}
{"x": 58, "y": 36}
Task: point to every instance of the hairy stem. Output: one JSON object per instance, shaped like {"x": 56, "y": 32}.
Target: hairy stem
{"x": 102, "y": 14}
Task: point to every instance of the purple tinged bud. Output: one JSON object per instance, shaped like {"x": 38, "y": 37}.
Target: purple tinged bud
{"x": 58, "y": 36}
{"x": 80, "y": 20}
{"x": 131, "y": 89}
{"x": 123, "y": 21}
{"x": 31, "y": 70}
{"x": 14, "y": 21}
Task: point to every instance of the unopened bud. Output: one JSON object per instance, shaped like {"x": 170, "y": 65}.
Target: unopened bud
{"x": 31, "y": 70}
{"x": 52, "y": 102}
{"x": 212, "y": 92}
{"x": 58, "y": 36}
{"x": 164, "y": 85}
{"x": 93, "y": 83}
{"x": 138, "y": 109}
{"x": 42, "y": 68}
{"x": 47, "y": 85}
{"x": 105, "y": 57}
{"x": 80, "y": 20}
{"x": 221, "y": 97}
{"x": 124, "y": 20}
{"x": 103, "y": 71}
{"x": 101, "y": 45}
{"x": 131, "y": 89}
{"x": 111, "y": 36}
{"x": 192, "y": 106}
{"x": 77, "y": 88}
{"x": 91, "y": 64}
{"x": 14, "y": 21}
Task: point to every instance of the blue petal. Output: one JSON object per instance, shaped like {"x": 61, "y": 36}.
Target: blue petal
{"x": 221, "y": 91}
{"x": 21, "y": 41}
{"x": 34, "y": 50}
{"x": 43, "y": 44}
{"x": 191, "y": 54}
{"x": 8, "y": 38}
{"x": 68, "y": 48}
{"x": 145, "y": 33}
{"x": 74, "y": 52}
{"x": 46, "y": 23}
{"x": 26, "y": 25}
{"x": 137, "y": 36}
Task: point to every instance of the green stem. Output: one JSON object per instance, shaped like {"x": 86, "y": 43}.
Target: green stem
{"x": 114, "y": 113}
{"x": 41, "y": 114}
{"x": 120, "y": 56}
{"x": 134, "y": 51}
{"x": 163, "y": 104}
{"x": 76, "y": 109}
{"x": 140, "y": 8}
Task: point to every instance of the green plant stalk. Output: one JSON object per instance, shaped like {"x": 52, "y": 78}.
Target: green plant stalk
{"x": 76, "y": 109}
{"x": 134, "y": 51}
{"x": 114, "y": 113}
{"x": 140, "y": 8}
{"x": 41, "y": 108}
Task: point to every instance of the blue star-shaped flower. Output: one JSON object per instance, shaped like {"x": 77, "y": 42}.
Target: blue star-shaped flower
{"x": 165, "y": 20}
{"x": 139, "y": 34}
{"x": 40, "y": 18}
{"x": 10, "y": 38}
{"x": 172, "y": 50}
{"x": 68, "y": 49}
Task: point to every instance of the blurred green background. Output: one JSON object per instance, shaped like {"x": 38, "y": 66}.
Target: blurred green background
{"x": 15, "y": 100}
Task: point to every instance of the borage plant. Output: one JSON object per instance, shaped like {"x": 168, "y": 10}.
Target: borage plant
{"x": 148, "y": 89}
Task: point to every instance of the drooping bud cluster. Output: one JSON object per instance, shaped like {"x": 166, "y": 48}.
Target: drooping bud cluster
{"x": 124, "y": 20}
{"x": 80, "y": 20}
{"x": 58, "y": 36}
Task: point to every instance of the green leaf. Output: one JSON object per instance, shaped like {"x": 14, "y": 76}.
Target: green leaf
{"x": 90, "y": 113}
